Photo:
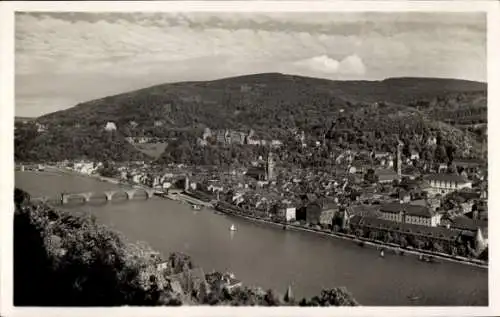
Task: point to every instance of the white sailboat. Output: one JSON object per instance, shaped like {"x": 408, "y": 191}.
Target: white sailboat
{"x": 233, "y": 227}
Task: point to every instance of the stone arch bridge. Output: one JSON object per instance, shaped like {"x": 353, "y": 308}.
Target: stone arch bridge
{"x": 110, "y": 194}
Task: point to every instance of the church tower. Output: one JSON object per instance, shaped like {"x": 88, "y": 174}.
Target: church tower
{"x": 480, "y": 242}
{"x": 186, "y": 184}
{"x": 270, "y": 167}
{"x": 289, "y": 297}
{"x": 398, "y": 159}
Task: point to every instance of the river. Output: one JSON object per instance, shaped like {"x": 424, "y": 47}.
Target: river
{"x": 266, "y": 256}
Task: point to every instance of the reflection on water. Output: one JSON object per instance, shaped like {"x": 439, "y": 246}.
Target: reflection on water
{"x": 267, "y": 256}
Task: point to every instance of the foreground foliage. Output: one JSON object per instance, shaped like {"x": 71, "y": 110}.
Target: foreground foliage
{"x": 63, "y": 259}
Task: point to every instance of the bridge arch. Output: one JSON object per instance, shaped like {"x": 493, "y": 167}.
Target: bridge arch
{"x": 133, "y": 192}
{"x": 67, "y": 197}
{"x": 130, "y": 194}
{"x": 149, "y": 193}
{"x": 110, "y": 195}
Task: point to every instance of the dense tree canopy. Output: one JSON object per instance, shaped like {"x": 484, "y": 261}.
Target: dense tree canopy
{"x": 348, "y": 114}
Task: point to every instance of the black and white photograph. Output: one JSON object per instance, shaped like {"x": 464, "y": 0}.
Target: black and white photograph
{"x": 205, "y": 156}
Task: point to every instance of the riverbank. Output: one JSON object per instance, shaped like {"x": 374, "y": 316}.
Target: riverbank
{"x": 94, "y": 176}
{"x": 369, "y": 242}
{"x": 98, "y": 177}
{"x": 362, "y": 241}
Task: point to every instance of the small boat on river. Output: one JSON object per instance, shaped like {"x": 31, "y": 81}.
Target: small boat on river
{"x": 382, "y": 253}
{"x": 232, "y": 228}
{"x": 196, "y": 207}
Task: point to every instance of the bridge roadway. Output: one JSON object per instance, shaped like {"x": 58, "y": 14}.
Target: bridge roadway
{"x": 110, "y": 194}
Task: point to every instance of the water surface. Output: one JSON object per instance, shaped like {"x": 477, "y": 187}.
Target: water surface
{"x": 264, "y": 255}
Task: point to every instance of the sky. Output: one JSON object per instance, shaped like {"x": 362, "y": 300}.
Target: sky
{"x": 62, "y": 59}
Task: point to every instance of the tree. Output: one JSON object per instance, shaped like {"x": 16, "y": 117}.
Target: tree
{"x": 272, "y": 299}
{"x": 331, "y": 297}
{"x": 370, "y": 176}
{"x": 108, "y": 170}
{"x": 20, "y": 197}
{"x": 418, "y": 243}
{"x": 388, "y": 237}
{"x": 450, "y": 151}
{"x": 403, "y": 241}
{"x": 440, "y": 154}
{"x": 452, "y": 169}
{"x": 438, "y": 247}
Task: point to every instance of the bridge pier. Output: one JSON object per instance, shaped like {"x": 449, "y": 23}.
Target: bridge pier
{"x": 109, "y": 195}
{"x": 86, "y": 196}
{"x": 130, "y": 194}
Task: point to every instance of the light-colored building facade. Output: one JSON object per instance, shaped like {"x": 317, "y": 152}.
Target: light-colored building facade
{"x": 447, "y": 183}
{"x": 290, "y": 213}
{"x": 110, "y": 126}
{"x": 421, "y": 215}
{"x": 410, "y": 214}
{"x": 392, "y": 212}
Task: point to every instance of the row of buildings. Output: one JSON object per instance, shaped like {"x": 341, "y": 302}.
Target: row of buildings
{"x": 228, "y": 137}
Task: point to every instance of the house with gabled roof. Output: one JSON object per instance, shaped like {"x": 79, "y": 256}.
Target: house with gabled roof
{"x": 410, "y": 214}
{"x": 438, "y": 233}
{"x": 447, "y": 183}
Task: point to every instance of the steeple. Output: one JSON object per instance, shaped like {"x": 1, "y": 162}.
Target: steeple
{"x": 480, "y": 243}
{"x": 398, "y": 158}
{"x": 186, "y": 183}
{"x": 270, "y": 166}
{"x": 289, "y": 295}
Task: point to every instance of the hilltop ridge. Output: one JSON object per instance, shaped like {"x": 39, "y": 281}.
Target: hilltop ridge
{"x": 273, "y": 103}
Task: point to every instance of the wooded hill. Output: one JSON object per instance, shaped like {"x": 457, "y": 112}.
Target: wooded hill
{"x": 273, "y": 103}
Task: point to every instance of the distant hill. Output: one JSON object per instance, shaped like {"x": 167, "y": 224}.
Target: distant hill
{"x": 272, "y": 103}
{"x": 239, "y": 101}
